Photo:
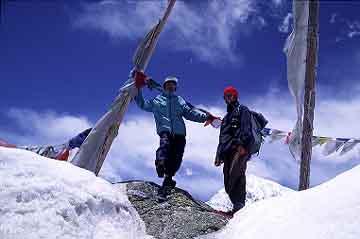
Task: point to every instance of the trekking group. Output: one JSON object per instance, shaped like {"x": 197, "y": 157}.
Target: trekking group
{"x": 240, "y": 136}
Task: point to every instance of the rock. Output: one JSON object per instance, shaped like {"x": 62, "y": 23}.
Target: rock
{"x": 180, "y": 217}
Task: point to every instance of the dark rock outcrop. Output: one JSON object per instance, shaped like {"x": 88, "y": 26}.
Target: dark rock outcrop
{"x": 180, "y": 217}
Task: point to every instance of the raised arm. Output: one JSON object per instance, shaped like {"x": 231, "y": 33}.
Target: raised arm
{"x": 146, "y": 105}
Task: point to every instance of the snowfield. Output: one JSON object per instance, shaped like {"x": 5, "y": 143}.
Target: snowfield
{"x": 328, "y": 211}
{"x": 44, "y": 198}
{"x": 256, "y": 189}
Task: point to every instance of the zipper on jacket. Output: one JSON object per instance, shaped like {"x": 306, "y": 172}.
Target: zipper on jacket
{"x": 171, "y": 121}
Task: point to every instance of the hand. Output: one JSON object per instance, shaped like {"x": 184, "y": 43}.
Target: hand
{"x": 210, "y": 119}
{"x": 217, "y": 162}
{"x": 140, "y": 79}
{"x": 242, "y": 151}
{"x": 151, "y": 84}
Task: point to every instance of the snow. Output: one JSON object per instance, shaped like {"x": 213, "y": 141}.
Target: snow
{"x": 328, "y": 211}
{"x": 45, "y": 198}
{"x": 256, "y": 189}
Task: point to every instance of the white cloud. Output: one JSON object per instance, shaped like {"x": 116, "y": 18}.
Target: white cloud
{"x": 120, "y": 19}
{"x": 208, "y": 30}
{"x": 133, "y": 152}
{"x": 354, "y": 33}
{"x": 354, "y": 29}
{"x": 278, "y": 2}
{"x": 45, "y": 127}
{"x": 284, "y": 27}
{"x": 349, "y": 28}
{"x": 333, "y": 17}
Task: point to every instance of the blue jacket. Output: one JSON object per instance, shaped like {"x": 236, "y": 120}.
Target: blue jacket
{"x": 169, "y": 110}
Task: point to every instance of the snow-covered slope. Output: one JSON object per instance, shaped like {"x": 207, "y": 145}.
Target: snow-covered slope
{"x": 328, "y": 211}
{"x": 44, "y": 198}
{"x": 257, "y": 189}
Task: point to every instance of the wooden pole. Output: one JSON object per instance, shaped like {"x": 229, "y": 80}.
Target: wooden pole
{"x": 2, "y": 11}
{"x": 309, "y": 97}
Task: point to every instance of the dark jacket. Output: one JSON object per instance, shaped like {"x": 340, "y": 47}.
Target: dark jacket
{"x": 235, "y": 129}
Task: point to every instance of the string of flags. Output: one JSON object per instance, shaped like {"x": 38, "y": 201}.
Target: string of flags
{"x": 331, "y": 145}
{"x": 62, "y": 151}
{"x": 58, "y": 152}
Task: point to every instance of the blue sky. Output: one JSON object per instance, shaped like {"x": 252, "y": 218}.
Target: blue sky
{"x": 62, "y": 62}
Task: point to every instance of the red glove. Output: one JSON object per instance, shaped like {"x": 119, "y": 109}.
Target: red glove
{"x": 140, "y": 79}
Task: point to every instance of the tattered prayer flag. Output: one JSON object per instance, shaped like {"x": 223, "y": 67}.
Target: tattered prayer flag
{"x": 63, "y": 156}
{"x": 349, "y": 145}
{"x": 332, "y": 146}
{"x": 287, "y": 140}
{"x": 79, "y": 139}
{"x": 316, "y": 140}
{"x": 323, "y": 140}
{"x": 6, "y": 144}
{"x": 266, "y": 131}
{"x": 49, "y": 151}
{"x": 277, "y": 135}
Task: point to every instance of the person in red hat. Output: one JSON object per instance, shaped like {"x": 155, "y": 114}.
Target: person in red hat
{"x": 232, "y": 151}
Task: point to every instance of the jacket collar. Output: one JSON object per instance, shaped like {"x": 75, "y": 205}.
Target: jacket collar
{"x": 231, "y": 107}
{"x": 168, "y": 95}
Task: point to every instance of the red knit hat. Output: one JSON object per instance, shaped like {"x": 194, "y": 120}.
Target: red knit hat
{"x": 231, "y": 90}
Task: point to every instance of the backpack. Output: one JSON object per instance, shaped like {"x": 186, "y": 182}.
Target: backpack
{"x": 258, "y": 123}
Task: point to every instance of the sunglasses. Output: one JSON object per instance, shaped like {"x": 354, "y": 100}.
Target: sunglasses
{"x": 228, "y": 95}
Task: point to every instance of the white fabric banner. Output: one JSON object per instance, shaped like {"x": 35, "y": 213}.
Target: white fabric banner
{"x": 296, "y": 50}
{"x": 93, "y": 151}
{"x": 95, "y": 148}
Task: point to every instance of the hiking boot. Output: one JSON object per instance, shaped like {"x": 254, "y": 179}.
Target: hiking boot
{"x": 163, "y": 193}
{"x": 169, "y": 182}
{"x": 165, "y": 190}
{"x": 160, "y": 168}
{"x": 228, "y": 214}
{"x": 237, "y": 207}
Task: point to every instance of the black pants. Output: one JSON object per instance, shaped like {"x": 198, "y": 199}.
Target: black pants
{"x": 234, "y": 177}
{"x": 169, "y": 154}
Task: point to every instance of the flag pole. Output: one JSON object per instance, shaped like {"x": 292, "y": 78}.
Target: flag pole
{"x": 309, "y": 97}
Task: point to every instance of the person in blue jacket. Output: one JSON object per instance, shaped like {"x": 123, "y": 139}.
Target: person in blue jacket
{"x": 169, "y": 109}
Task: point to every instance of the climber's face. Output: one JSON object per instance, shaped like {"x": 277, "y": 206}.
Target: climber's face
{"x": 230, "y": 98}
{"x": 170, "y": 87}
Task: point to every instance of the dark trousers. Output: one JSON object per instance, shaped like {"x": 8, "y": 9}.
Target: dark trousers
{"x": 169, "y": 154}
{"x": 234, "y": 177}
